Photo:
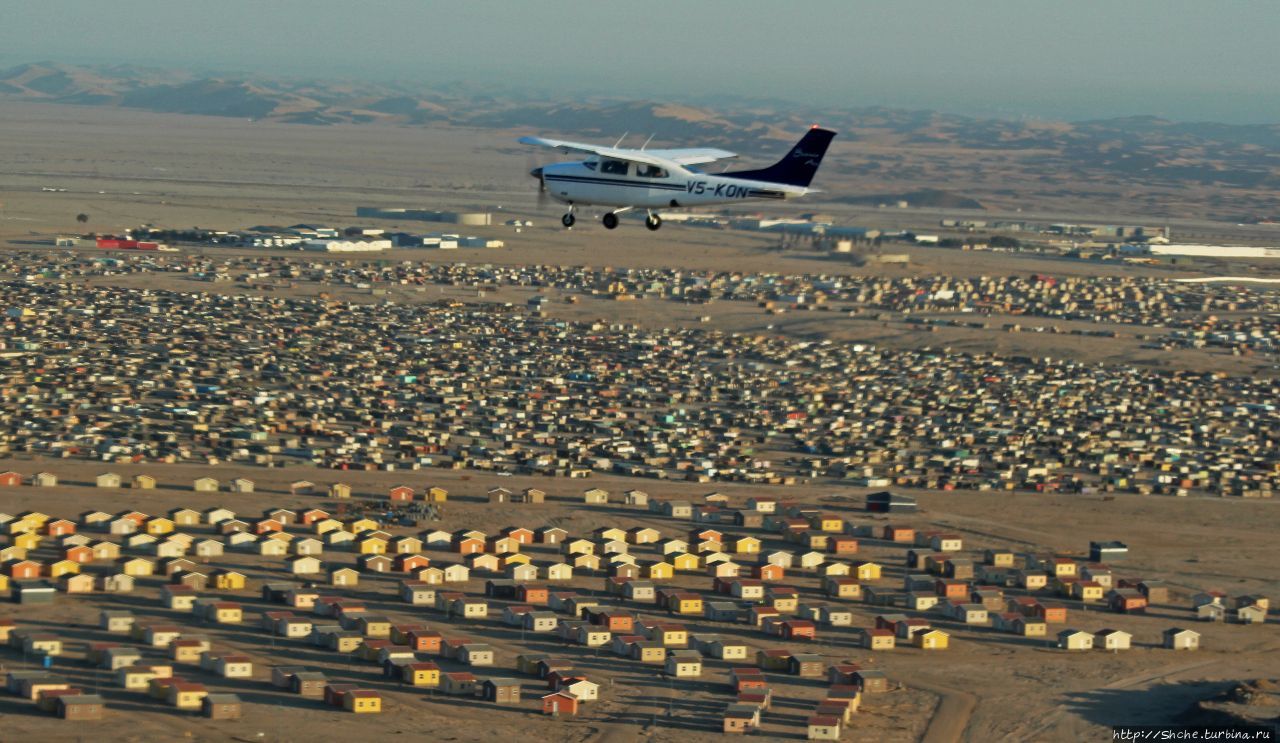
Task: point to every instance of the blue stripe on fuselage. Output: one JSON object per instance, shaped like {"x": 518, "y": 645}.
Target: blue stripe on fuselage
{"x": 613, "y": 182}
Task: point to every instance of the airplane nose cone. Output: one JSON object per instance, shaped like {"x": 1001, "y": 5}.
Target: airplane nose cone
{"x": 536, "y": 173}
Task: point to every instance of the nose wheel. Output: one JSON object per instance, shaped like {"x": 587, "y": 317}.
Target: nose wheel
{"x": 568, "y": 219}
{"x": 653, "y": 222}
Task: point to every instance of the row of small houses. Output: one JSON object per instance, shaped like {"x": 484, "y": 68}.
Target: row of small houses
{"x": 754, "y": 699}
{"x": 952, "y": 591}
{"x": 950, "y": 594}
{"x": 398, "y": 655}
{"x": 839, "y": 579}
{"x": 398, "y": 493}
{"x": 112, "y": 480}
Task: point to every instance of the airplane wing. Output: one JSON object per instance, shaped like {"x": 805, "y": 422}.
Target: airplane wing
{"x": 636, "y": 156}
{"x": 693, "y": 155}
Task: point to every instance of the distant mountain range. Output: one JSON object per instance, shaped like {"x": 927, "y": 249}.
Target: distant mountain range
{"x": 908, "y": 151}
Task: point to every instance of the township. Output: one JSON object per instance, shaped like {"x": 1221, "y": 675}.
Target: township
{"x": 755, "y": 605}
{"x": 114, "y": 373}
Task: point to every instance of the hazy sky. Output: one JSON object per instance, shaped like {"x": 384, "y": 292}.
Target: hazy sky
{"x": 1184, "y": 59}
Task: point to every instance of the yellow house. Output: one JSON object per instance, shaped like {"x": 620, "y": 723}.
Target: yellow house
{"x": 106, "y": 550}
{"x": 35, "y": 518}
{"x": 934, "y": 639}
{"x": 579, "y": 546}
{"x": 613, "y": 534}
{"x": 686, "y": 561}
{"x": 372, "y": 546}
{"x": 1063, "y": 568}
{"x": 229, "y": 580}
{"x": 437, "y": 495}
{"x": 228, "y": 614}
{"x": 362, "y": 701}
{"x": 423, "y": 675}
{"x": 829, "y": 523}
{"x": 1033, "y": 580}
{"x": 673, "y": 637}
{"x": 44, "y": 644}
{"x": 63, "y": 567}
{"x": 659, "y": 570}
{"x": 1087, "y": 591}
{"x": 186, "y": 695}
{"x": 186, "y": 652}
{"x": 359, "y": 525}
{"x": 324, "y": 526}
{"x": 516, "y": 559}
{"x": 139, "y": 677}
{"x": 138, "y": 567}
{"x": 159, "y": 525}
{"x": 867, "y": 571}
{"x": 688, "y": 605}
{"x": 27, "y": 540}
{"x": 4, "y": 582}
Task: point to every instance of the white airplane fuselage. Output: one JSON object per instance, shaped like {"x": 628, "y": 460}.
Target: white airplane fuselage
{"x": 584, "y": 183}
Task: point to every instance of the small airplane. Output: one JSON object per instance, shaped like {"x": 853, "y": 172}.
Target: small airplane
{"x": 662, "y": 179}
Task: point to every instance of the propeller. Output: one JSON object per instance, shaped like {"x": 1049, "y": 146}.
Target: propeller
{"x": 536, "y": 172}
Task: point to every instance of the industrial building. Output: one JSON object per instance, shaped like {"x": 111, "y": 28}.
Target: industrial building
{"x": 470, "y": 219}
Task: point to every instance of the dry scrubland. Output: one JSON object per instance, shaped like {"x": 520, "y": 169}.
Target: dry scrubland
{"x": 181, "y": 171}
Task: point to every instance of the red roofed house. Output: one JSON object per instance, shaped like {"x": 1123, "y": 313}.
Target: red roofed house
{"x": 560, "y": 703}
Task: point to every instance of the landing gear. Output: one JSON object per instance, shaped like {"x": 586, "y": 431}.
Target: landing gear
{"x": 568, "y": 219}
{"x": 610, "y": 221}
{"x": 653, "y": 222}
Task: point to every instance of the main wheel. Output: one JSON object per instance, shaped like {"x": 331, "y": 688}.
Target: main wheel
{"x": 610, "y": 220}
{"x": 568, "y": 220}
{"x": 653, "y": 221}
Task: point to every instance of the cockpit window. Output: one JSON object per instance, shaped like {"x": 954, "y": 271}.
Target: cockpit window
{"x": 613, "y": 167}
{"x": 650, "y": 171}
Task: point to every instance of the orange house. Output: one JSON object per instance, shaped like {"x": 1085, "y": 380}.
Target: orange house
{"x": 537, "y": 595}
{"x": 60, "y": 528}
{"x": 24, "y": 569}
{"x": 424, "y": 641}
{"x": 410, "y": 563}
{"x": 768, "y": 572}
{"x": 560, "y": 703}
{"x": 1051, "y": 613}
{"x": 400, "y": 493}
{"x": 899, "y": 534}
{"x": 520, "y": 534}
{"x": 10, "y": 479}
{"x": 79, "y": 553}
{"x": 313, "y": 515}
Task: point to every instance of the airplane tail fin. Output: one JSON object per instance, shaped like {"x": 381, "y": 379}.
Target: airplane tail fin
{"x": 798, "y": 166}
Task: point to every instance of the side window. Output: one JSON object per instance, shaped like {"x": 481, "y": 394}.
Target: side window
{"x": 613, "y": 167}
{"x": 650, "y": 171}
